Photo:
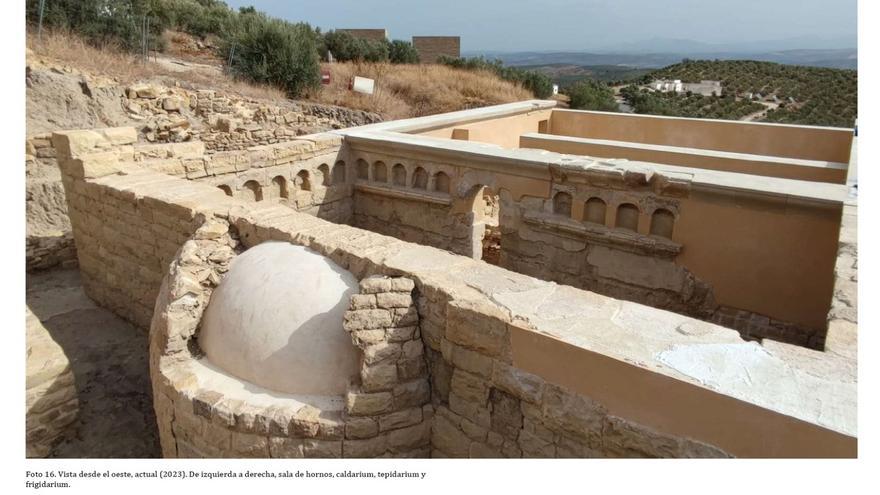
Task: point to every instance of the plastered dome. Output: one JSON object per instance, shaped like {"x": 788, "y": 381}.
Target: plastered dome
{"x": 276, "y": 321}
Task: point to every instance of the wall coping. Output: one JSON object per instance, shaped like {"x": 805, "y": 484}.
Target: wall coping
{"x": 846, "y": 130}
{"x": 692, "y": 151}
{"x": 537, "y": 164}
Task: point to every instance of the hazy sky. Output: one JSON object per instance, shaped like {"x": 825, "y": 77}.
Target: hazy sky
{"x": 512, "y": 25}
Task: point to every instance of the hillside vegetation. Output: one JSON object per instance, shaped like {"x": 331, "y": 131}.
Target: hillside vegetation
{"x": 416, "y": 90}
{"x": 269, "y": 51}
{"x": 725, "y": 107}
{"x": 806, "y": 95}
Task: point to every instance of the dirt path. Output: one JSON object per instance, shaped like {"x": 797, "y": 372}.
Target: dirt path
{"x": 760, "y": 113}
{"x": 109, "y": 358}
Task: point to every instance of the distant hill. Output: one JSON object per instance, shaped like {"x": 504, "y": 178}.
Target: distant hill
{"x": 663, "y": 55}
{"x": 805, "y": 95}
{"x": 567, "y": 74}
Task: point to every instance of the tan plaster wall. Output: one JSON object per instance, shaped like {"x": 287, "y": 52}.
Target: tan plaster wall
{"x": 686, "y": 158}
{"x": 504, "y": 131}
{"x": 768, "y": 256}
{"x": 806, "y": 142}
{"x": 744, "y": 429}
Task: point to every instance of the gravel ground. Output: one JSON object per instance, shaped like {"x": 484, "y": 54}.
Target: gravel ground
{"x": 110, "y": 363}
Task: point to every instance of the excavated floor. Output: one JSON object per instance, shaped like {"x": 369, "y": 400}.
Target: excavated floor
{"x": 110, "y": 363}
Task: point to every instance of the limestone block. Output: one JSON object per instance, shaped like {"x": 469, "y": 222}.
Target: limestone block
{"x": 249, "y": 446}
{"x": 479, "y": 328}
{"x": 363, "y": 301}
{"x": 400, "y": 419}
{"x": 379, "y": 376}
{"x": 408, "y": 369}
{"x": 381, "y": 351}
{"x": 411, "y": 394}
{"x": 390, "y": 300}
{"x": 449, "y": 439}
{"x": 470, "y": 387}
{"x": 479, "y": 450}
{"x": 400, "y": 334}
{"x": 403, "y": 317}
{"x": 367, "y": 319}
{"x": 365, "y": 448}
{"x": 286, "y": 448}
{"x": 368, "y": 404}
{"x": 367, "y": 337}
{"x": 375, "y": 285}
{"x": 400, "y": 284}
{"x": 534, "y": 447}
{"x": 320, "y": 449}
{"x": 506, "y": 415}
{"x": 571, "y": 413}
{"x": 358, "y": 428}
{"x": 469, "y": 360}
{"x": 474, "y": 431}
{"x": 474, "y": 411}
{"x": 518, "y": 383}
{"x": 410, "y": 437}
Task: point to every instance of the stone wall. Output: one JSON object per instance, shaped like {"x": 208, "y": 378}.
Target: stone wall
{"x": 368, "y": 34}
{"x": 431, "y": 48}
{"x": 222, "y": 121}
{"x": 51, "y": 400}
{"x": 517, "y": 366}
{"x": 229, "y": 122}
{"x": 842, "y": 338}
{"x": 49, "y": 241}
{"x": 385, "y": 414}
{"x": 546, "y": 227}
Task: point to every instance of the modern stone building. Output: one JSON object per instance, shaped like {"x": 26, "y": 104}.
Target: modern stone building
{"x": 512, "y": 281}
{"x": 368, "y": 34}
{"x": 431, "y": 48}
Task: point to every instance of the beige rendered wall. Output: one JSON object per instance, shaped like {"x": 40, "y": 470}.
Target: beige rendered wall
{"x": 747, "y": 250}
{"x": 498, "y": 389}
{"x": 771, "y": 256}
{"x": 806, "y": 142}
{"x": 504, "y": 131}
{"x": 689, "y": 157}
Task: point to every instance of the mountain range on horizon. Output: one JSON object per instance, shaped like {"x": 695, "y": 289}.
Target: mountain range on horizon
{"x": 841, "y": 53}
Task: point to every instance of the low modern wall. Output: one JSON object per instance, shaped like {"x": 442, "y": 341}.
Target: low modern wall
{"x": 827, "y": 144}
{"x": 785, "y": 168}
{"x": 518, "y": 366}
{"x": 504, "y": 131}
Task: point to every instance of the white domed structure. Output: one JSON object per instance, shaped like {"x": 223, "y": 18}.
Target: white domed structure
{"x": 276, "y": 321}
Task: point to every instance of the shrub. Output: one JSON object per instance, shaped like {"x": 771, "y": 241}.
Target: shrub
{"x": 539, "y": 84}
{"x": 402, "y": 52}
{"x": 592, "y": 95}
{"x": 346, "y": 47}
{"x": 275, "y": 52}
{"x": 100, "y": 22}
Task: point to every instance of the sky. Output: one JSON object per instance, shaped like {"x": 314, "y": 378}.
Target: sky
{"x": 578, "y": 25}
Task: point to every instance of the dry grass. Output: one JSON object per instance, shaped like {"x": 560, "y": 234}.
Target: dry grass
{"x": 416, "y": 90}
{"x": 401, "y": 90}
{"x": 126, "y": 68}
